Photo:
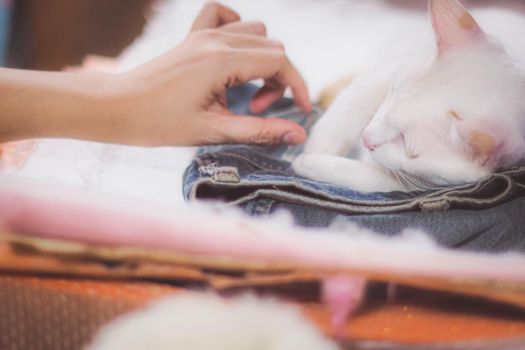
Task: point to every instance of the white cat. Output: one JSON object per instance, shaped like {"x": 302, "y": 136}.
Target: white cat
{"x": 450, "y": 110}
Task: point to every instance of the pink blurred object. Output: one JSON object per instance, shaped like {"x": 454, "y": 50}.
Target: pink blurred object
{"x": 13, "y": 155}
{"x": 342, "y": 295}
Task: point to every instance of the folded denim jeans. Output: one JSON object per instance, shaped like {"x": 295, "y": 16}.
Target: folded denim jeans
{"x": 488, "y": 215}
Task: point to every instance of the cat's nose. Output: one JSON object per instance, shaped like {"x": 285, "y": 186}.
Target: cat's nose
{"x": 368, "y": 142}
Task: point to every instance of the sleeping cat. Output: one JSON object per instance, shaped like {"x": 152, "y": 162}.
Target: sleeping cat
{"x": 449, "y": 111}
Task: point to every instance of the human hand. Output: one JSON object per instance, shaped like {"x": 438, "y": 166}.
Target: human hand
{"x": 177, "y": 99}
{"x": 180, "y": 98}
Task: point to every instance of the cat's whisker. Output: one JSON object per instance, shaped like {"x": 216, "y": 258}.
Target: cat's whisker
{"x": 413, "y": 182}
{"x": 399, "y": 178}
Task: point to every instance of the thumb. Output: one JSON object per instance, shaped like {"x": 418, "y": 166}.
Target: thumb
{"x": 255, "y": 130}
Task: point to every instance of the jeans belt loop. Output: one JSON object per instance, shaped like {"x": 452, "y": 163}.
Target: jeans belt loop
{"x": 439, "y": 204}
{"x": 226, "y": 174}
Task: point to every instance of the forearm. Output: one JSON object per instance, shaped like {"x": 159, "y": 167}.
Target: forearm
{"x": 51, "y": 104}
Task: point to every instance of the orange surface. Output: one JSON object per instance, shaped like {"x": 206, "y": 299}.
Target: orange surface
{"x": 414, "y": 324}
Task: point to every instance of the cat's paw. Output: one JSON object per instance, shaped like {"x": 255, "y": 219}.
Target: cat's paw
{"x": 324, "y": 167}
{"x": 346, "y": 172}
{"x": 326, "y": 140}
{"x": 307, "y": 165}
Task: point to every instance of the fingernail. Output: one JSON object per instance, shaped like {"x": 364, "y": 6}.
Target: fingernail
{"x": 291, "y": 138}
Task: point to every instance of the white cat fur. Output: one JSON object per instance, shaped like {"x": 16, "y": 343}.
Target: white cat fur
{"x": 420, "y": 114}
{"x": 205, "y": 321}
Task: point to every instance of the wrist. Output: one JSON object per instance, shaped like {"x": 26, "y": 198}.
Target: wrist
{"x": 87, "y": 109}
{"x": 101, "y": 98}
{"x": 121, "y": 110}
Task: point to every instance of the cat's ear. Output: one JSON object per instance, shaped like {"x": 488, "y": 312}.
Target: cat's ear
{"x": 482, "y": 140}
{"x": 453, "y": 25}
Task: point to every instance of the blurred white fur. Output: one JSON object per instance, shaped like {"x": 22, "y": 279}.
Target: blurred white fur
{"x": 203, "y": 322}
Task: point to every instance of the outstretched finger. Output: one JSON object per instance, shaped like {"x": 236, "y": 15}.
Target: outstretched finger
{"x": 214, "y": 15}
{"x": 268, "y": 63}
{"x": 300, "y": 90}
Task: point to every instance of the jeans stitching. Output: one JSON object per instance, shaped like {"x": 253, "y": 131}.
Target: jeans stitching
{"x": 293, "y": 198}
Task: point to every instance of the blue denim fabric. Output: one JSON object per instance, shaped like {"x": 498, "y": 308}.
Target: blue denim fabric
{"x": 484, "y": 216}
{"x": 4, "y": 29}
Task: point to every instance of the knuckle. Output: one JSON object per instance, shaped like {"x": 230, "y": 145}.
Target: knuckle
{"x": 225, "y": 50}
{"x": 206, "y": 43}
{"x": 206, "y": 35}
{"x": 280, "y": 58}
{"x": 202, "y": 35}
{"x": 212, "y": 5}
{"x": 263, "y": 136}
{"x": 278, "y": 44}
{"x": 220, "y": 53}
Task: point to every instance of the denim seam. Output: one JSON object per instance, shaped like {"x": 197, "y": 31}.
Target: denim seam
{"x": 292, "y": 198}
{"x": 378, "y": 203}
{"x": 495, "y": 199}
{"x": 250, "y": 183}
{"x": 477, "y": 186}
{"x": 454, "y": 197}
